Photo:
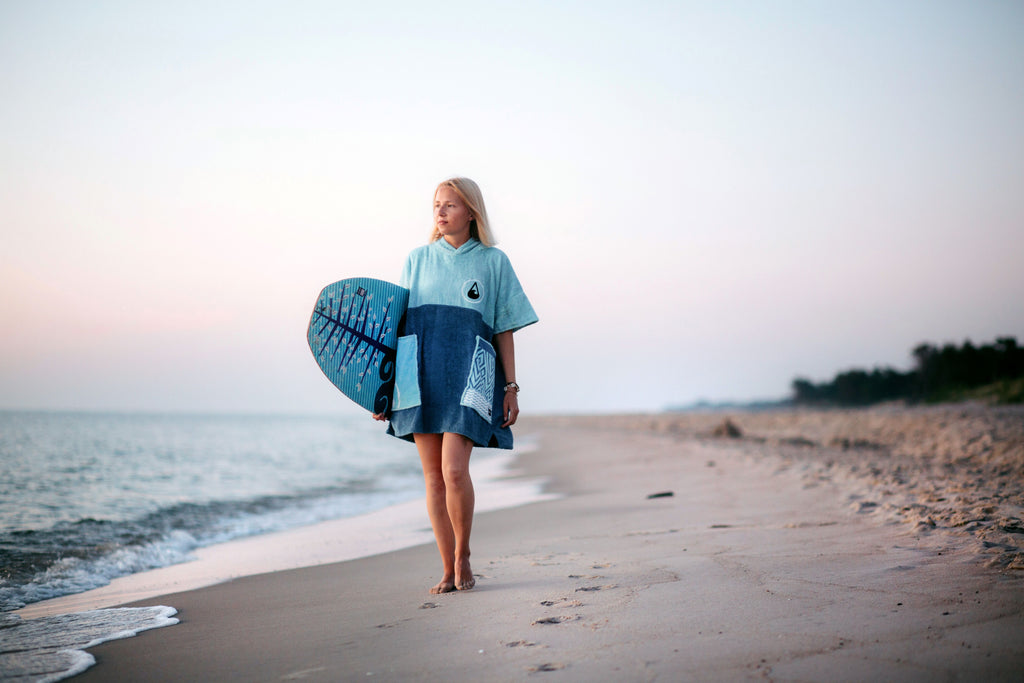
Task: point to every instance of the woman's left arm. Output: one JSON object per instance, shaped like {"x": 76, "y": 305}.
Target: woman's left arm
{"x": 507, "y": 355}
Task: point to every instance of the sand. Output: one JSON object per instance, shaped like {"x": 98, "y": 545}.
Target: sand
{"x": 794, "y": 552}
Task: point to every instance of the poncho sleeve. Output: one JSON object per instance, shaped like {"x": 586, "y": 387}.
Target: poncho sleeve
{"x": 513, "y": 310}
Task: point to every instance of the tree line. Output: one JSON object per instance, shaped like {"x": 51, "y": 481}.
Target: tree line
{"x": 939, "y": 374}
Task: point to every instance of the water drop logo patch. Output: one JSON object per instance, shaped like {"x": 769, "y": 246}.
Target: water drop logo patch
{"x": 472, "y": 291}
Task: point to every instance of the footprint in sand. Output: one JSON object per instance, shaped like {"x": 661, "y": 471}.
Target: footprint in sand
{"x": 547, "y": 560}
{"x": 590, "y": 589}
{"x": 565, "y": 602}
{"x": 547, "y": 666}
{"x": 521, "y": 643}
{"x": 555, "y": 620}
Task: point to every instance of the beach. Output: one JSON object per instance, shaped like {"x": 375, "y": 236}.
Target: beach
{"x": 881, "y": 544}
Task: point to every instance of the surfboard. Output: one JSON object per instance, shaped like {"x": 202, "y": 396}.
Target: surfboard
{"x": 353, "y": 334}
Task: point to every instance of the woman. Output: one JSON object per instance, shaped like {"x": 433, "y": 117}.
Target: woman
{"x": 455, "y": 384}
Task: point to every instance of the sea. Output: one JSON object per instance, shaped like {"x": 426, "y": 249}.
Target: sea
{"x": 89, "y": 497}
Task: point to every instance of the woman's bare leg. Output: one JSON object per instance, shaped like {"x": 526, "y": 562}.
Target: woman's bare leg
{"x": 460, "y": 499}
{"x": 429, "y": 447}
{"x": 450, "y": 502}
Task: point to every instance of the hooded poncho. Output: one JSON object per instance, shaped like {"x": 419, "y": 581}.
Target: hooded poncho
{"x": 448, "y": 376}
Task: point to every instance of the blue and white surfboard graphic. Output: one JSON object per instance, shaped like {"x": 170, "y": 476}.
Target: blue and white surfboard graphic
{"x": 353, "y": 334}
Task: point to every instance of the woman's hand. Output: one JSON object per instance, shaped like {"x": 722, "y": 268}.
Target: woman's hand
{"x": 506, "y": 347}
{"x": 380, "y": 417}
{"x": 510, "y": 408}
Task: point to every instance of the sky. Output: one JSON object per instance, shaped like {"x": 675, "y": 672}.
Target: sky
{"x": 702, "y": 200}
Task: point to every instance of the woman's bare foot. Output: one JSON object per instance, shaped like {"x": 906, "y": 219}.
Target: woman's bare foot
{"x": 464, "y": 579}
{"x": 445, "y": 586}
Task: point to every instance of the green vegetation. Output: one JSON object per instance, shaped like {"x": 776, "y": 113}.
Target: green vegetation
{"x": 998, "y": 393}
{"x": 992, "y": 373}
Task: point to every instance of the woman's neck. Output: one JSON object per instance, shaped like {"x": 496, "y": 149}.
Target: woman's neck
{"x": 456, "y": 242}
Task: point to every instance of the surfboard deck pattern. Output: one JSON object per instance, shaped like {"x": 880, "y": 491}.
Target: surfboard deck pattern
{"x": 353, "y": 334}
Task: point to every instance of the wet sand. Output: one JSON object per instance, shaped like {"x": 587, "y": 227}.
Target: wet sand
{"x": 857, "y": 545}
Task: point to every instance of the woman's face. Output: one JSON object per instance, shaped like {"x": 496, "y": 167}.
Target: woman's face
{"x": 451, "y": 216}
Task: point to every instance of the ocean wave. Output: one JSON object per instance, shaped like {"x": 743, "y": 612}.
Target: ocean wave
{"x": 75, "y": 557}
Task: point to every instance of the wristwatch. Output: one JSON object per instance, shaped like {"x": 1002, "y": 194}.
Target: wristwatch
{"x": 512, "y": 386}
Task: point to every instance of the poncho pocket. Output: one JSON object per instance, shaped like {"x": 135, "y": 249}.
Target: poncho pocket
{"x": 479, "y": 391}
{"x": 407, "y": 373}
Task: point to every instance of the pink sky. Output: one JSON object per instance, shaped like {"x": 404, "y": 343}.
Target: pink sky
{"x": 702, "y": 200}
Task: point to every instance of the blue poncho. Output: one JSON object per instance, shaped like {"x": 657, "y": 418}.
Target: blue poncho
{"x": 448, "y": 376}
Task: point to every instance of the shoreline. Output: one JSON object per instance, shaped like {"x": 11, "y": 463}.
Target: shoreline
{"x": 757, "y": 566}
{"x": 380, "y": 531}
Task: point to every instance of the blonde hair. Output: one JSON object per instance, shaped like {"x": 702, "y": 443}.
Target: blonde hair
{"x": 469, "y": 192}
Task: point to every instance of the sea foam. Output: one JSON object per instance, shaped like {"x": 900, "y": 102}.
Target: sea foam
{"x": 53, "y": 648}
